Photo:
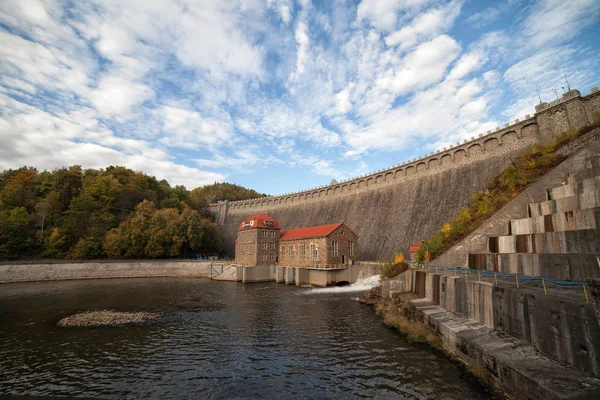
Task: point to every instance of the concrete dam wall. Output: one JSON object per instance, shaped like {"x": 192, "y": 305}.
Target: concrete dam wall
{"x": 393, "y": 208}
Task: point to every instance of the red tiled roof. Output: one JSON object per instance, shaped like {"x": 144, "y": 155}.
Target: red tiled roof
{"x": 313, "y": 231}
{"x": 415, "y": 247}
{"x": 259, "y": 221}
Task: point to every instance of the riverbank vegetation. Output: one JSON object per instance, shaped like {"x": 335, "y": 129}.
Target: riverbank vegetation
{"x": 400, "y": 314}
{"x": 113, "y": 212}
{"x": 415, "y": 330}
{"x": 391, "y": 269}
{"x": 531, "y": 164}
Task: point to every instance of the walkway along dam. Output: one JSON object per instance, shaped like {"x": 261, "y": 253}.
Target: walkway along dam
{"x": 392, "y": 208}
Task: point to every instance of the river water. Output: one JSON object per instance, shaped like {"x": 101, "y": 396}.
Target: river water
{"x": 217, "y": 340}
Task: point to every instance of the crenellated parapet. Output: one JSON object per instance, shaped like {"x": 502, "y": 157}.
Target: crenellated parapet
{"x": 519, "y": 134}
{"x": 511, "y": 137}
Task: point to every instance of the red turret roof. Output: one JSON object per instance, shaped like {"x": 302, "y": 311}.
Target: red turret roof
{"x": 259, "y": 221}
{"x": 415, "y": 247}
{"x": 313, "y": 231}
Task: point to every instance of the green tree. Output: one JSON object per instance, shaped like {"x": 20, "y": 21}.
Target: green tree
{"x": 15, "y": 233}
{"x": 54, "y": 245}
{"x": 20, "y": 190}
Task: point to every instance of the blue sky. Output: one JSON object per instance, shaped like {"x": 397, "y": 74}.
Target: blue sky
{"x": 276, "y": 95}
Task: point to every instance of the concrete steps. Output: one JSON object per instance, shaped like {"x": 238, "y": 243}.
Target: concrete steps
{"x": 580, "y": 241}
{"x": 557, "y": 222}
{"x": 513, "y": 364}
{"x": 586, "y": 196}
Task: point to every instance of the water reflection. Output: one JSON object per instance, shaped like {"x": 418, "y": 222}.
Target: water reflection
{"x": 220, "y": 339}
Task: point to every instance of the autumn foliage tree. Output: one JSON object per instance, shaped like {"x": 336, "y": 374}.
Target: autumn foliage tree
{"x": 113, "y": 212}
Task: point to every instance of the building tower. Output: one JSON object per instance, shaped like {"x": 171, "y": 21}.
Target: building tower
{"x": 258, "y": 241}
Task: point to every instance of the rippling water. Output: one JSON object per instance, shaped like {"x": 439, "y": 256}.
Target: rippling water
{"x": 218, "y": 340}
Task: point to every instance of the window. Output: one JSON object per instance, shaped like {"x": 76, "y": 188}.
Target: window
{"x": 334, "y": 248}
{"x": 264, "y": 234}
{"x": 351, "y": 249}
{"x": 272, "y": 257}
{"x": 292, "y": 252}
{"x": 282, "y": 251}
{"x": 264, "y": 257}
{"x": 272, "y": 245}
{"x": 272, "y": 234}
{"x": 265, "y": 246}
{"x": 302, "y": 252}
{"x": 314, "y": 256}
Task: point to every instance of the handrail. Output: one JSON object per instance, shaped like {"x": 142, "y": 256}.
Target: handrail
{"x": 466, "y": 271}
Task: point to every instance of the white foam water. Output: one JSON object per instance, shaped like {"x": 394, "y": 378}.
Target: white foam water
{"x": 360, "y": 285}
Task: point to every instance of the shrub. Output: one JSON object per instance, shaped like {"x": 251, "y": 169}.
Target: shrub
{"x": 399, "y": 258}
{"x": 390, "y": 270}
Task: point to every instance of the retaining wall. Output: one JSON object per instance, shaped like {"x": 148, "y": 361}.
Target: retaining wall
{"x": 100, "y": 270}
{"x": 559, "y": 324}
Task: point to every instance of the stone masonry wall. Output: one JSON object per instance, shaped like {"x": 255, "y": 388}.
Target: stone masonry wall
{"x": 321, "y": 244}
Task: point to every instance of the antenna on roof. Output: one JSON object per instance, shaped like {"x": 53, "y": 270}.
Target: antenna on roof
{"x": 568, "y": 85}
{"x": 538, "y": 92}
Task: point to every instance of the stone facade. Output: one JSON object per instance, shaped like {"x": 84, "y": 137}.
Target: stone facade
{"x": 257, "y": 247}
{"x": 337, "y": 249}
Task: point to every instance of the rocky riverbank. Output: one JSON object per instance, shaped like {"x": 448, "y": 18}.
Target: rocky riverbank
{"x": 108, "y": 318}
{"x": 399, "y": 313}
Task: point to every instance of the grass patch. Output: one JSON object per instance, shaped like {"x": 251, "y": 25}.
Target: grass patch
{"x": 480, "y": 371}
{"x": 416, "y": 331}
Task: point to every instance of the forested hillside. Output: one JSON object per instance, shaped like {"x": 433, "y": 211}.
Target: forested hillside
{"x": 98, "y": 213}
{"x": 225, "y": 191}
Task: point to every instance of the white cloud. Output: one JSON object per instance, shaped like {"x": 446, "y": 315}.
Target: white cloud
{"x": 284, "y": 8}
{"x": 490, "y": 14}
{"x": 30, "y": 136}
{"x": 116, "y": 95}
{"x": 342, "y": 101}
{"x": 425, "y": 26}
{"x": 427, "y": 64}
{"x": 186, "y": 128}
{"x": 556, "y": 21}
{"x": 303, "y": 43}
{"x": 466, "y": 64}
{"x": 383, "y": 14}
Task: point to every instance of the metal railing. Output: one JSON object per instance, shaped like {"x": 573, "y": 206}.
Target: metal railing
{"x": 459, "y": 271}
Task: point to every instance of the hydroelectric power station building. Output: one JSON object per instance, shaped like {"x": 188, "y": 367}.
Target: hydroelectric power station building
{"x": 261, "y": 241}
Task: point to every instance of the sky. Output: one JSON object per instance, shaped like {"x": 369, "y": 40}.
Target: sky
{"x": 276, "y": 95}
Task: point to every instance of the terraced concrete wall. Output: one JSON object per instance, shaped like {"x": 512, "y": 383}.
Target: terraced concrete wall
{"x": 393, "y": 208}
{"x": 497, "y": 225}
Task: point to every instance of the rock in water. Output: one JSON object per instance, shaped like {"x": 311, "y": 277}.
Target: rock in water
{"x": 108, "y": 318}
